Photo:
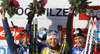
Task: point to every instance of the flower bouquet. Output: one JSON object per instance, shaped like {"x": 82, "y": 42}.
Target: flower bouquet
{"x": 38, "y": 7}
{"x": 10, "y": 6}
{"x": 78, "y": 6}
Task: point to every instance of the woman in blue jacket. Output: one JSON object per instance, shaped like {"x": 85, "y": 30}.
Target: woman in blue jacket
{"x": 24, "y": 38}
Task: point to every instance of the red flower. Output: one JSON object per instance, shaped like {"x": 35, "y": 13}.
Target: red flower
{"x": 9, "y": 6}
{"x": 10, "y": 0}
{"x": 44, "y": 1}
{"x": 14, "y": 2}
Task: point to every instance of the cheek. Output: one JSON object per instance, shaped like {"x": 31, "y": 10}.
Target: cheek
{"x": 75, "y": 41}
{"x": 56, "y": 41}
{"x": 49, "y": 41}
{"x": 22, "y": 40}
{"x": 83, "y": 40}
{"x": 28, "y": 39}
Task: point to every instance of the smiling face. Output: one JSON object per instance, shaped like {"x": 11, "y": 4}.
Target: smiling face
{"x": 25, "y": 40}
{"x": 52, "y": 42}
{"x": 79, "y": 40}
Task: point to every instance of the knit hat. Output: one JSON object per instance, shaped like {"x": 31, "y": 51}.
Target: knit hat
{"x": 24, "y": 33}
{"x": 78, "y": 32}
{"x": 52, "y": 34}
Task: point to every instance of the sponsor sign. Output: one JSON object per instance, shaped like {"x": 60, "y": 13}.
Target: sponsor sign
{"x": 4, "y": 50}
{"x": 2, "y": 33}
{"x": 92, "y": 11}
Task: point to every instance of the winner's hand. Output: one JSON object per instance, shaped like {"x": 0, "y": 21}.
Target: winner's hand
{"x": 2, "y": 13}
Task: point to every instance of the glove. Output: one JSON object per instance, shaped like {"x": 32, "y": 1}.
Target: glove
{"x": 96, "y": 52}
{"x": 30, "y": 17}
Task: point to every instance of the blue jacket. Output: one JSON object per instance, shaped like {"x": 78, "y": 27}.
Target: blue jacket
{"x": 10, "y": 40}
{"x": 77, "y": 50}
{"x": 25, "y": 48}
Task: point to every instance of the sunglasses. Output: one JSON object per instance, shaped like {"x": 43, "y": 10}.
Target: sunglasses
{"x": 24, "y": 31}
{"x": 53, "y": 31}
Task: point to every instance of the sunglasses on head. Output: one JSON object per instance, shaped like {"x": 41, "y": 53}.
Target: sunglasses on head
{"x": 53, "y": 31}
{"x": 24, "y": 31}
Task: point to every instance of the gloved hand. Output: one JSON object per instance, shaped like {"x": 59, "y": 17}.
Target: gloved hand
{"x": 30, "y": 17}
{"x": 96, "y": 52}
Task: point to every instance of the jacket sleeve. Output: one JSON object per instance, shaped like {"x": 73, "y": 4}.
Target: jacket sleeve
{"x": 8, "y": 36}
{"x": 28, "y": 27}
{"x": 69, "y": 28}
